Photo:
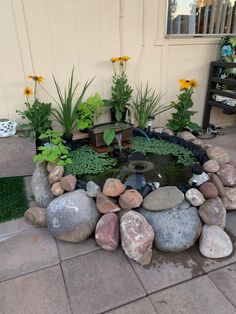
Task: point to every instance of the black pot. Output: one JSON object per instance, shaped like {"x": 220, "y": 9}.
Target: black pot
{"x": 40, "y": 142}
{"x": 113, "y": 115}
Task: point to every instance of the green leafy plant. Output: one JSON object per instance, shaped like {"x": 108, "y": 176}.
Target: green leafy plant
{"x": 88, "y": 110}
{"x": 85, "y": 160}
{"x": 54, "y": 151}
{"x": 37, "y": 113}
{"x": 66, "y": 114}
{"x": 181, "y": 119}
{"x": 146, "y": 105}
{"x": 109, "y": 135}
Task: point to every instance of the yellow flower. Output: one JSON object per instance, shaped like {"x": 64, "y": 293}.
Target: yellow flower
{"x": 193, "y": 83}
{"x": 126, "y": 58}
{"x": 38, "y": 79}
{"x": 184, "y": 84}
{"x": 120, "y": 59}
{"x": 28, "y": 91}
{"x": 114, "y": 59}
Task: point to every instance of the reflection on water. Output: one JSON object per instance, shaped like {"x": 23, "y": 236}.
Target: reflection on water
{"x": 149, "y": 168}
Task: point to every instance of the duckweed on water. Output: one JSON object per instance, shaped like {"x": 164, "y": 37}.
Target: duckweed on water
{"x": 85, "y": 160}
{"x": 162, "y": 147}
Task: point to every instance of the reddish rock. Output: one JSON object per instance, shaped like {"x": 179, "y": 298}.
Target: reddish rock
{"x": 56, "y": 189}
{"x": 113, "y": 187}
{"x": 213, "y": 212}
{"x": 106, "y": 205}
{"x": 136, "y": 237}
{"x": 211, "y": 166}
{"x": 218, "y": 184}
{"x": 36, "y": 216}
{"x": 56, "y": 174}
{"x": 227, "y": 175}
{"x": 130, "y": 199}
{"x": 219, "y": 154}
{"x": 107, "y": 232}
{"x": 208, "y": 190}
{"x": 68, "y": 183}
{"x": 230, "y": 198}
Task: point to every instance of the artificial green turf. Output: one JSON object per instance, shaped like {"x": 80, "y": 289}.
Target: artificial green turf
{"x": 13, "y": 201}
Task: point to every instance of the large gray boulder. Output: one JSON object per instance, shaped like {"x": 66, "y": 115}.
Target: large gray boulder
{"x": 72, "y": 217}
{"x": 175, "y": 229}
{"x": 40, "y": 185}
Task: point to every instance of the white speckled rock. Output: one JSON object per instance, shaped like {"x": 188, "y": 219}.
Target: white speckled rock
{"x": 136, "y": 237}
{"x": 227, "y": 175}
{"x": 92, "y": 189}
{"x": 230, "y": 198}
{"x": 214, "y": 242}
{"x": 213, "y": 212}
{"x": 195, "y": 197}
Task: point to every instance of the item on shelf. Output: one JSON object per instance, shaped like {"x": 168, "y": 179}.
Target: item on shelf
{"x": 225, "y": 100}
{"x": 7, "y": 127}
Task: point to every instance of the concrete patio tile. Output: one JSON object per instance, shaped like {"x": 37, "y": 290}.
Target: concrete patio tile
{"x": 42, "y": 292}
{"x": 225, "y": 280}
{"x": 100, "y": 281}
{"x": 143, "y": 306}
{"x": 26, "y": 252}
{"x": 69, "y": 250}
{"x": 14, "y": 226}
{"x": 196, "y": 296}
{"x": 165, "y": 270}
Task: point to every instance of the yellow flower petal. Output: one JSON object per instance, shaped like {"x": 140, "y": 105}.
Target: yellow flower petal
{"x": 30, "y": 77}
{"x": 193, "y": 83}
{"x": 28, "y": 91}
{"x": 39, "y": 79}
{"x": 114, "y": 59}
{"x": 126, "y": 58}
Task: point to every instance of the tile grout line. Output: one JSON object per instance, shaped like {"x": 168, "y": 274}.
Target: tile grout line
{"x": 218, "y": 288}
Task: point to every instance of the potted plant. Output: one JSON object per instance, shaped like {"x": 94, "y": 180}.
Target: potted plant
{"x": 181, "y": 119}
{"x": 66, "y": 113}
{"x": 147, "y": 106}
{"x": 87, "y": 111}
{"x": 36, "y": 113}
{"x": 121, "y": 91}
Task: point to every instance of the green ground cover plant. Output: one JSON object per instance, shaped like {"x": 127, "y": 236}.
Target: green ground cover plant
{"x": 13, "y": 201}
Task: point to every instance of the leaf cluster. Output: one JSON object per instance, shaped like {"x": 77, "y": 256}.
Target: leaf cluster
{"x": 121, "y": 93}
{"x": 147, "y": 106}
{"x": 162, "y": 147}
{"x": 181, "y": 119}
{"x": 66, "y": 114}
{"x": 54, "y": 151}
{"x": 87, "y": 161}
{"x": 88, "y": 110}
{"x": 38, "y": 116}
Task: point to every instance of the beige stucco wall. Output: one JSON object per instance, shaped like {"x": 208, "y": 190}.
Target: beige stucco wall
{"x": 52, "y": 36}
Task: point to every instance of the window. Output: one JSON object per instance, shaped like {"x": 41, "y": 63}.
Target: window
{"x": 201, "y": 17}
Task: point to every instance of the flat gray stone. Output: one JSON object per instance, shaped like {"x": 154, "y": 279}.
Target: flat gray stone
{"x": 26, "y": 252}
{"x": 225, "y": 280}
{"x": 42, "y": 292}
{"x": 166, "y": 269}
{"x": 143, "y": 306}
{"x": 68, "y": 250}
{"x": 14, "y": 226}
{"x": 163, "y": 198}
{"x": 100, "y": 281}
{"x": 196, "y": 296}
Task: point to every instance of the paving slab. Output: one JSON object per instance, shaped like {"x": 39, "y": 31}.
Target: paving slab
{"x": 41, "y": 292}
{"x": 143, "y": 306}
{"x": 196, "y": 296}
{"x": 165, "y": 270}
{"x": 26, "y": 252}
{"x": 14, "y": 226}
{"x": 16, "y": 157}
{"x": 100, "y": 281}
{"x": 225, "y": 280}
{"x": 69, "y": 250}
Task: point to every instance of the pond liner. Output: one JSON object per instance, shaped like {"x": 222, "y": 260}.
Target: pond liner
{"x": 197, "y": 151}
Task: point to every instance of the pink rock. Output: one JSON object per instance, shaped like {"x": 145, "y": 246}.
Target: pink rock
{"x": 211, "y": 166}
{"x": 219, "y": 154}
{"x": 136, "y": 237}
{"x": 68, "y": 183}
{"x": 56, "y": 174}
{"x": 230, "y": 198}
{"x": 208, "y": 190}
{"x": 218, "y": 184}
{"x": 130, "y": 199}
{"x": 227, "y": 175}
{"x": 107, "y": 232}
{"x": 106, "y": 205}
{"x": 213, "y": 212}
{"x": 113, "y": 187}
{"x": 56, "y": 189}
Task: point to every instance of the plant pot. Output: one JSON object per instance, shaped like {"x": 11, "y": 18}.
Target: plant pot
{"x": 113, "y": 115}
